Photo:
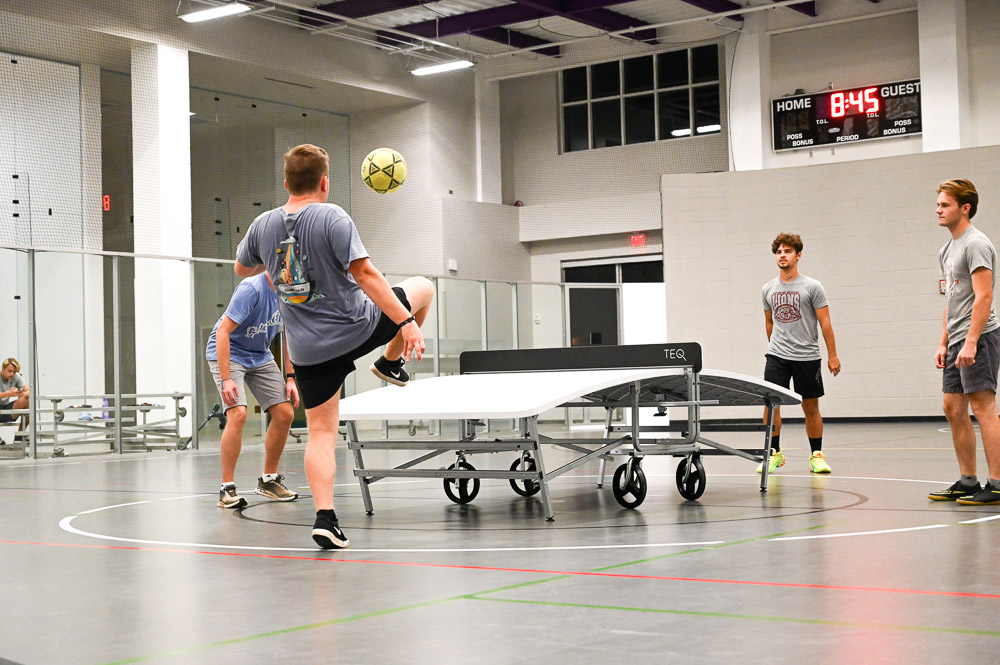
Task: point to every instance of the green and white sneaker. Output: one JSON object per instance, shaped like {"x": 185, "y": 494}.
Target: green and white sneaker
{"x": 777, "y": 459}
{"x": 817, "y": 463}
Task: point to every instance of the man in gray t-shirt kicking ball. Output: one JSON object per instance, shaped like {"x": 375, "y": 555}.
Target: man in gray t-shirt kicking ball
{"x": 969, "y": 350}
{"x": 793, "y": 305}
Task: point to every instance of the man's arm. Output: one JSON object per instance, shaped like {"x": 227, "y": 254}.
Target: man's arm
{"x": 248, "y": 271}
{"x": 374, "y": 284}
{"x": 833, "y": 362}
{"x": 222, "y": 333}
{"x": 942, "y": 352}
{"x": 291, "y": 388}
{"x": 768, "y": 323}
{"x": 982, "y": 288}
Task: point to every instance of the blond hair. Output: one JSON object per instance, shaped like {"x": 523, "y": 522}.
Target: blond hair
{"x": 11, "y": 361}
{"x": 963, "y": 191}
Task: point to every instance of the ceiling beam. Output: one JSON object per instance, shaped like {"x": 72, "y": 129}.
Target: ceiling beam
{"x": 593, "y": 13}
{"x": 807, "y": 8}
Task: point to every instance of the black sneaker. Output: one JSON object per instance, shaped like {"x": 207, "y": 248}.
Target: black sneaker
{"x": 955, "y": 492}
{"x": 988, "y": 495}
{"x": 390, "y": 371}
{"x": 327, "y": 533}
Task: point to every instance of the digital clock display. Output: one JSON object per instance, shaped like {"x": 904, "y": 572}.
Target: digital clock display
{"x": 846, "y": 116}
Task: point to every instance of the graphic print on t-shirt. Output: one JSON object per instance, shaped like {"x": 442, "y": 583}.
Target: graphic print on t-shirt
{"x": 294, "y": 285}
{"x": 785, "y": 305}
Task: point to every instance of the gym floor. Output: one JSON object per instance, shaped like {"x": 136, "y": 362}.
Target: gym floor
{"x": 128, "y": 560}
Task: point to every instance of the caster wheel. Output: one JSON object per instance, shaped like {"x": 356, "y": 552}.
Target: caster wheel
{"x": 462, "y": 490}
{"x": 59, "y": 416}
{"x": 694, "y": 487}
{"x": 629, "y": 492}
{"x": 524, "y": 487}
{"x": 182, "y": 411}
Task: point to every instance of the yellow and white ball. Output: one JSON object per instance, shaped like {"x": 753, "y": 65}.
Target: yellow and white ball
{"x": 383, "y": 170}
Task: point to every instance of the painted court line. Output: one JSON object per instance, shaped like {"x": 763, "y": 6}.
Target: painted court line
{"x": 120, "y": 505}
{"x": 189, "y": 496}
{"x": 862, "y": 533}
{"x": 982, "y": 519}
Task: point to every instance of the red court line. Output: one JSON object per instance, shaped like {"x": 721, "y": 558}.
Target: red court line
{"x": 567, "y": 573}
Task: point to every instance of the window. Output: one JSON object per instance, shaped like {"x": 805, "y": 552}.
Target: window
{"x": 669, "y": 95}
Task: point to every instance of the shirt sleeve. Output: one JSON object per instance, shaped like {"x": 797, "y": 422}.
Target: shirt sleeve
{"x": 248, "y": 252}
{"x": 818, "y": 295}
{"x": 18, "y": 380}
{"x": 979, "y": 254}
{"x": 242, "y": 303}
{"x": 763, "y": 296}
{"x": 346, "y": 241}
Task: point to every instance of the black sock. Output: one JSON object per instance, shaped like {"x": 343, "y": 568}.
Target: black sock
{"x": 775, "y": 442}
{"x": 816, "y": 445}
{"x": 329, "y": 514}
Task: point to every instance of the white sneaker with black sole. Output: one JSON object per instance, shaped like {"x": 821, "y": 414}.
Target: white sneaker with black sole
{"x": 228, "y": 498}
{"x": 390, "y": 371}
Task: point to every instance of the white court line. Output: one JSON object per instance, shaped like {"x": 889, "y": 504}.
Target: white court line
{"x": 132, "y": 459}
{"x": 66, "y": 525}
{"x": 981, "y": 519}
{"x": 120, "y": 505}
{"x": 35, "y": 464}
{"x": 861, "y": 533}
{"x": 175, "y": 498}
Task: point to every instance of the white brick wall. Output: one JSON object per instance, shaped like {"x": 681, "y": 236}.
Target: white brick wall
{"x": 870, "y": 236}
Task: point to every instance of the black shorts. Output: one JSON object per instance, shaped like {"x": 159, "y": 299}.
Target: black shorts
{"x": 806, "y": 373}
{"x": 318, "y": 383}
{"x": 6, "y": 417}
{"x": 982, "y": 375}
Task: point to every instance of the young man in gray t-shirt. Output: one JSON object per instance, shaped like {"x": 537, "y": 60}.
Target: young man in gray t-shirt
{"x": 13, "y": 394}
{"x": 793, "y": 305}
{"x": 969, "y": 349}
{"x": 336, "y": 307}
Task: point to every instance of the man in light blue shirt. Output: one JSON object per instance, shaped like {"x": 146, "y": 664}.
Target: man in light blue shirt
{"x": 238, "y": 353}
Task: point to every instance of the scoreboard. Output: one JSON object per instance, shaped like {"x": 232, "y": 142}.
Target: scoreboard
{"x": 846, "y": 116}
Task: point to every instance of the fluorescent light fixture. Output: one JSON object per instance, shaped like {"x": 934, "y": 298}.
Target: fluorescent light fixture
{"x": 443, "y": 67}
{"x": 709, "y": 128}
{"x": 215, "y": 12}
{"x": 681, "y": 132}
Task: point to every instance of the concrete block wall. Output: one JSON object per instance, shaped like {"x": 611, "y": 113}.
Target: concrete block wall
{"x": 870, "y": 236}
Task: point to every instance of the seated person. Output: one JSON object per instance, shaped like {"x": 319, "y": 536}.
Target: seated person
{"x": 13, "y": 393}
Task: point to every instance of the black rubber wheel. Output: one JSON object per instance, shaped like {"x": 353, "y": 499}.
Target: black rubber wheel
{"x": 629, "y": 492}
{"x": 524, "y": 487}
{"x": 182, "y": 411}
{"x": 695, "y": 485}
{"x": 462, "y": 490}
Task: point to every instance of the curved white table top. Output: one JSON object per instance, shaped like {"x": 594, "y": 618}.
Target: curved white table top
{"x": 525, "y": 394}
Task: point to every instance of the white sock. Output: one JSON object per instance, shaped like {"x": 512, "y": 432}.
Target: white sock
{"x": 268, "y": 477}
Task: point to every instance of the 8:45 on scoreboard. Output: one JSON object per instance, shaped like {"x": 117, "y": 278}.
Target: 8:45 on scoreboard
{"x": 872, "y": 112}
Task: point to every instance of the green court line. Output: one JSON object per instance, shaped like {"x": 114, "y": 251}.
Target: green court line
{"x": 754, "y": 617}
{"x": 473, "y": 596}
{"x": 284, "y": 631}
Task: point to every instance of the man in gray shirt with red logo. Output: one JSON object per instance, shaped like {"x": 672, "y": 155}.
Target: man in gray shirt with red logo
{"x": 969, "y": 351}
{"x": 793, "y": 305}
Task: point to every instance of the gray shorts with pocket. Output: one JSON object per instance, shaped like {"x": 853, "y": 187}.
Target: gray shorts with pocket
{"x": 265, "y": 381}
{"x": 980, "y": 376}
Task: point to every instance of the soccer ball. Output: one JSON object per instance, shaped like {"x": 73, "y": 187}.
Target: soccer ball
{"x": 383, "y": 170}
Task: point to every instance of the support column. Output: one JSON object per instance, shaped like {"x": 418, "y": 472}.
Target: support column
{"x": 944, "y": 75}
{"x": 488, "y": 178}
{"x": 161, "y": 149}
{"x": 93, "y": 237}
{"x": 750, "y": 93}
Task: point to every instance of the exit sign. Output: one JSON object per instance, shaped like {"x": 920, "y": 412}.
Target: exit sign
{"x": 638, "y": 240}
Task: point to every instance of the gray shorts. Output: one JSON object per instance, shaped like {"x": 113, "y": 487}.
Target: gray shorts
{"x": 982, "y": 375}
{"x": 265, "y": 381}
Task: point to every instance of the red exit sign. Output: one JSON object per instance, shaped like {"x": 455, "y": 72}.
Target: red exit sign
{"x": 106, "y": 202}
{"x": 638, "y": 240}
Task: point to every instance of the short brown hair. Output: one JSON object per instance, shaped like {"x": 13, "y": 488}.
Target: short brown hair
{"x": 305, "y": 166}
{"x": 11, "y": 361}
{"x": 962, "y": 191}
{"x": 790, "y": 239}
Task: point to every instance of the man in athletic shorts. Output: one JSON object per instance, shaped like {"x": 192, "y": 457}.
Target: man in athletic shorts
{"x": 14, "y": 394}
{"x": 238, "y": 353}
{"x": 793, "y": 304}
{"x": 969, "y": 351}
{"x": 336, "y": 306}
